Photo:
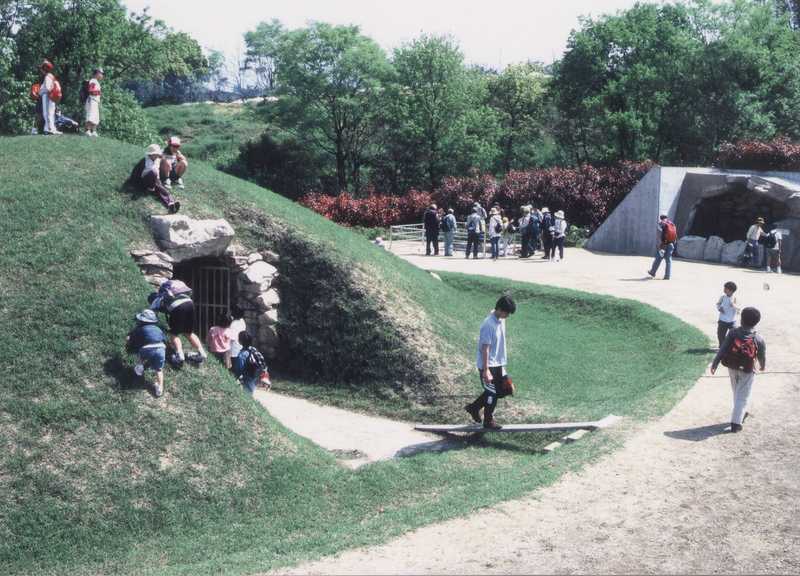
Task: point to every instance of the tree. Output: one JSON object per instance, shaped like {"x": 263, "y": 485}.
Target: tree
{"x": 262, "y": 50}
{"x": 328, "y": 79}
{"x": 518, "y": 95}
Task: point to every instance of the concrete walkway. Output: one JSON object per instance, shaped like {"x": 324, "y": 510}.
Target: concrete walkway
{"x": 355, "y": 439}
{"x": 682, "y": 495}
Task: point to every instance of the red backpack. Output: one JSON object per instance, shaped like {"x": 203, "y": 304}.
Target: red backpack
{"x": 670, "y": 232}
{"x": 742, "y": 354}
{"x": 35, "y": 91}
{"x": 55, "y": 93}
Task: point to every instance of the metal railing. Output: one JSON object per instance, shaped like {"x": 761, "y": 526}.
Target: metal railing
{"x": 416, "y": 233}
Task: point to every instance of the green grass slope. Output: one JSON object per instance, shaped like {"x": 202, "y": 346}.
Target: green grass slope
{"x": 210, "y": 132}
{"x": 96, "y": 476}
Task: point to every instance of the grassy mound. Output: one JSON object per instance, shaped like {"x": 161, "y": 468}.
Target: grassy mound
{"x": 96, "y": 476}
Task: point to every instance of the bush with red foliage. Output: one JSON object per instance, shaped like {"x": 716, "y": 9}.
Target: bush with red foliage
{"x": 587, "y": 194}
{"x": 779, "y": 154}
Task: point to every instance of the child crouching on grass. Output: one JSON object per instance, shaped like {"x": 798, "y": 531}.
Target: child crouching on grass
{"x": 739, "y": 351}
{"x": 148, "y": 341}
{"x": 252, "y": 369}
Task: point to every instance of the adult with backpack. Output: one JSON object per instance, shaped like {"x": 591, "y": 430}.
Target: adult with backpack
{"x": 252, "y": 369}
{"x": 738, "y": 353}
{"x": 495, "y": 232}
{"x": 90, "y": 97}
{"x": 449, "y": 230}
{"x": 751, "y": 256}
{"x": 174, "y": 299}
{"x": 50, "y": 94}
{"x": 559, "y": 236}
{"x": 535, "y": 225}
{"x": 667, "y": 236}
{"x": 431, "y": 222}
{"x": 474, "y": 228}
{"x": 772, "y": 242}
{"x": 524, "y": 224}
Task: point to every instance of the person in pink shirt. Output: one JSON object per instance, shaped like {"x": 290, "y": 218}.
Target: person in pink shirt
{"x": 219, "y": 338}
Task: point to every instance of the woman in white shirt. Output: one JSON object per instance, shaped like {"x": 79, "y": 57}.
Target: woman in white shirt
{"x": 92, "y": 105}
{"x": 559, "y": 234}
{"x": 495, "y": 232}
{"x": 48, "y": 105}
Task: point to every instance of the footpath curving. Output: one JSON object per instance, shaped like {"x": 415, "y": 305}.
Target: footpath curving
{"x": 681, "y": 494}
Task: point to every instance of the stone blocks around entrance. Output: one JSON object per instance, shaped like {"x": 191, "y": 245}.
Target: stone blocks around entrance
{"x": 691, "y": 247}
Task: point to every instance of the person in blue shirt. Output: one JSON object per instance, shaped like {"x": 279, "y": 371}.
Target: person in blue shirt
{"x": 148, "y": 341}
{"x": 491, "y": 362}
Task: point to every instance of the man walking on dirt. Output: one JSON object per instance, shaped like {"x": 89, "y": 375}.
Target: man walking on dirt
{"x": 492, "y": 362}
{"x": 667, "y": 236}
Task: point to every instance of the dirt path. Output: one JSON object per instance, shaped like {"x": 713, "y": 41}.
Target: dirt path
{"x": 681, "y": 495}
{"x": 356, "y": 439}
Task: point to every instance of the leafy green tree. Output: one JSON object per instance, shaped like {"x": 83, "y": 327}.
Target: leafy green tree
{"x": 519, "y": 96}
{"x": 328, "y": 80}
{"x": 262, "y": 50}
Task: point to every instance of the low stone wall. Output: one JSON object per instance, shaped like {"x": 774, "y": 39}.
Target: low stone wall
{"x": 713, "y": 249}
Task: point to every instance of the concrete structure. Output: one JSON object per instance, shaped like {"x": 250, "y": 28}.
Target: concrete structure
{"x": 704, "y": 202}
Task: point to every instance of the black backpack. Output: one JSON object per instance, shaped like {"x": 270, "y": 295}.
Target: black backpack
{"x": 255, "y": 363}
{"x": 84, "y": 92}
{"x": 770, "y": 240}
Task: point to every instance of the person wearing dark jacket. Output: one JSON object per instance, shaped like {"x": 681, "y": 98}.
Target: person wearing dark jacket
{"x": 547, "y": 233}
{"x": 431, "y": 230}
{"x": 148, "y": 342}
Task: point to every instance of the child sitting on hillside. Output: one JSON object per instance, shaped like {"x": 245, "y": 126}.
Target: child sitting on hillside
{"x": 147, "y": 340}
{"x": 739, "y": 351}
{"x": 727, "y": 307}
{"x": 219, "y": 339}
{"x": 252, "y": 366}
{"x": 173, "y": 164}
{"x": 146, "y": 174}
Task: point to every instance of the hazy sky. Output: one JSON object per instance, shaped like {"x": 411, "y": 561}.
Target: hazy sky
{"x": 490, "y": 32}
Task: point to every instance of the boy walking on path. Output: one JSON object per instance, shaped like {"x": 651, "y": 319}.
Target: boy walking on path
{"x": 491, "y": 363}
{"x": 738, "y": 353}
{"x": 667, "y": 235}
{"x": 728, "y": 308}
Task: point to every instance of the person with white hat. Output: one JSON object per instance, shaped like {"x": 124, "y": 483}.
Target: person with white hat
{"x": 91, "y": 106}
{"x": 559, "y": 235}
{"x": 495, "y": 232}
{"x": 174, "y": 165}
{"x": 146, "y": 174}
{"x": 147, "y": 340}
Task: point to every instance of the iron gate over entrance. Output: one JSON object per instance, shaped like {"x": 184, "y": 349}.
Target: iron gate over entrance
{"x": 210, "y": 281}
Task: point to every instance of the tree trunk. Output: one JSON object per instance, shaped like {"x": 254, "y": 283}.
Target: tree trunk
{"x": 341, "y": 165}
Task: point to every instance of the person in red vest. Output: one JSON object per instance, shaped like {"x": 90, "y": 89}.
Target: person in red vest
{"x": 667, "y": 236}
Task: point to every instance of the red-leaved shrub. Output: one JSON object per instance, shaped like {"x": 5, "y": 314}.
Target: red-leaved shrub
{"x": 778, "y": 154}
{"x": 586, "y": 194}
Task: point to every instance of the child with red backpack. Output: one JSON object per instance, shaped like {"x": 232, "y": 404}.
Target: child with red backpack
{"x": 668, "y": 235}
{"x": 738, "y": 353}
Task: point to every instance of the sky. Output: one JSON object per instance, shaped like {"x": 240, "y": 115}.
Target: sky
{"x": 492, "y": 33}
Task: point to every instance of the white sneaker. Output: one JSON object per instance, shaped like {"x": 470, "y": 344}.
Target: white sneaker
{"x": 167, "y": 184}
{"x": 769, "y": 269}
{"x": 778, "y": 270}
{"x": 157, "y": 390}
{"x": 179, "y": 182}
{"x": 87, "y": 133}
{"x": 94, "y": 134}
{"x": 139, "y": 369}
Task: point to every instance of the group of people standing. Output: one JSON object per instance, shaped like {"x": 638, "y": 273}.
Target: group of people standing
{"x": 48, "y": 94}
{"x": 538, "y": 230}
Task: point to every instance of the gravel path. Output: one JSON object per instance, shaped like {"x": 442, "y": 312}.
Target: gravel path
{"x": 681, "y": 495}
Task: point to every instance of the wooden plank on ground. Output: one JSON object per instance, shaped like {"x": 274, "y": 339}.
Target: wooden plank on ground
{"x": 577, "y": 435}
{"x": 543, "y": 427}
{"x": 551, "y": 447}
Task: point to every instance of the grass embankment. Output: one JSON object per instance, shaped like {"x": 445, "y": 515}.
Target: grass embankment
{"x": 209, "y": 132}
{"x": 96, "y": 476}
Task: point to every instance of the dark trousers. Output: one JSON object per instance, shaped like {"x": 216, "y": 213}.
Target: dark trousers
{"x": 525, "y": 249}
{"x": 495, "y": 240}
{"x": 488, "y": 398}
{"x": 548, "y": 245}
{"x": 558, "y": 243}
{"x": 722, "y": 331}
{"x": 431, "y": 238}
{"x": 151, "y": 180}
{"x": 472, "y": 243}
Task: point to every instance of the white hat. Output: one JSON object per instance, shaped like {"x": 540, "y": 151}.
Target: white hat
{"x": 153, "y": 149}
{"x": 174, "y": 141}
{"x": 147, "y": 316}
{"x": 560, "y": 214}
{"x": 546, "y": 209}
{"x": 526, "y": 209}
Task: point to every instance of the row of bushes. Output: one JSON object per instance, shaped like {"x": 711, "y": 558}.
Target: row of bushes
{"x": 587, "y": 194}
{"x": 778, "y": 154}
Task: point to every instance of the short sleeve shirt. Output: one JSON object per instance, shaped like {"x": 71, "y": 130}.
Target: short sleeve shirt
{"x": 493, "y": 333}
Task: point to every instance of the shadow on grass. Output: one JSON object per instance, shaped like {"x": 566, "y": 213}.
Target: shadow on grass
{"x": 700, "y": 351}
{"x": 124, "y": 378}
{"x": 639, "y": 279}
{"x": 700, "y": 433}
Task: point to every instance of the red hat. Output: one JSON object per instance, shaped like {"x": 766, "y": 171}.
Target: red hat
{"x": 47, "y": 65}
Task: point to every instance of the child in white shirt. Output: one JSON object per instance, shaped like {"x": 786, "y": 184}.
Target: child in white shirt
{"x": 727, "y": 307}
